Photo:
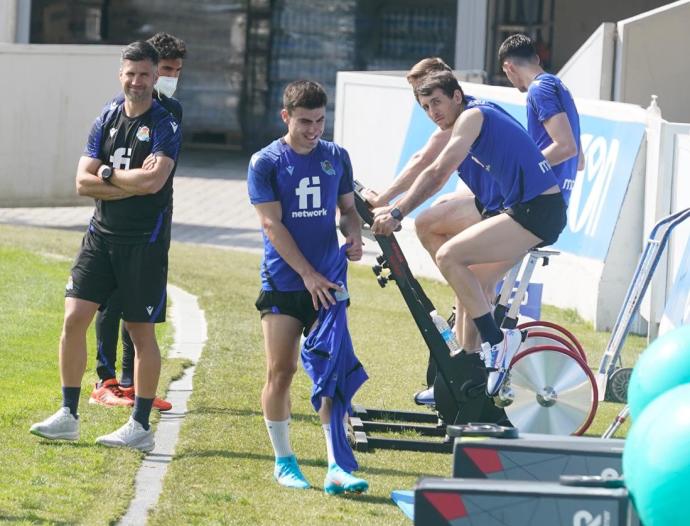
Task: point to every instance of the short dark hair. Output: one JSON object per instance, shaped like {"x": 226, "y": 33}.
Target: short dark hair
{"x": 138, "y": 51}
{"x": 517, "y": 46}
{"x": 425, "y": 66}
{"x": 304, "y": 94}
{"x": 443, "y": 80}
{"x": 168, "y": 46}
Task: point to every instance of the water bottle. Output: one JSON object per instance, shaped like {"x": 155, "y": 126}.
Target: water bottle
{"x": 446, "y": 333}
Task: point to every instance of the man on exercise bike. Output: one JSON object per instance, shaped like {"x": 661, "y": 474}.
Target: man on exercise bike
{"x": 532, "y": 210}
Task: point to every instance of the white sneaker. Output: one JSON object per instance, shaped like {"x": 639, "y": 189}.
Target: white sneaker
{"x": 425, "y": 397}
{"x": 132, "y": 434}
{"x": 60, "y": 426}
{"x": 497, "y": 359}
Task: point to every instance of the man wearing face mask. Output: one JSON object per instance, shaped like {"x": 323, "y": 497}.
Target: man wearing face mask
{"x": 108, "y": 391}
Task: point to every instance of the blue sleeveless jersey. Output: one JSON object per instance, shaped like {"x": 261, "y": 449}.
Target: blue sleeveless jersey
{"x": 307, "y": 188}
{"x": 484, "y": 188}
{"x": 505, "y": 152}
{"x": 548, "y": 96}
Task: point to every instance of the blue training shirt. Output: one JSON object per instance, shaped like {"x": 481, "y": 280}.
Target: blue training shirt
{"x": 509, "y": 155}
{"x": 548, "y": 96}
{"x": 124, "y": 143}
{"x": 307, "y": 187}
{"x": 484, "y": 188}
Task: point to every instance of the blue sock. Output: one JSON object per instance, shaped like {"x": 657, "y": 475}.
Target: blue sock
{"x": 126, "y": 379}
{"x": 142, "y": 410}
{"x": 488, "y": 329}
{"x": 70, "y": 399}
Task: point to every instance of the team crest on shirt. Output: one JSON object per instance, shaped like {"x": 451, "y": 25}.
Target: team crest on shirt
{"x": 327, "y": 167}
{"x": 144, "y": 134}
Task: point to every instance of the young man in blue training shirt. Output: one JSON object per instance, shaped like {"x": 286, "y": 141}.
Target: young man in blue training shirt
{"x": 295, "y": 184}
{"x": 127, "y": 168}
{"x": 533, "y": 210}
{"x": 552, "y": 118}
{"x": 108, "y": 391}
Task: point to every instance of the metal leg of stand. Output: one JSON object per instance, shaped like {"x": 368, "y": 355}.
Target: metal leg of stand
{"x": 509, "y": 282}
{"x": 617, "y": 422}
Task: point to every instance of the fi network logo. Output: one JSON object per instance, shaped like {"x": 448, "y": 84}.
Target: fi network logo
{"x": 306, "y": 188}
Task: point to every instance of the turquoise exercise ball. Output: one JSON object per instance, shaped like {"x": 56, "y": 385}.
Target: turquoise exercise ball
{"x": 664, "y": 365}
{"x": 656, "y": 460}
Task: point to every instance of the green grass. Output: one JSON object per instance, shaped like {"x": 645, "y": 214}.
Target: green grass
{"x": 222, "y": 470}
{"x": 43, "y": 482}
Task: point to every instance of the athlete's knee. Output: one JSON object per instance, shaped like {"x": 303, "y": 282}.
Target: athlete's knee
{"x": 280, "y": 374}
{"x": 76, "y": 320}
{"x": 422, "y": 223}
{"x": 446, "y": 258}
{"x": 424, "y": 227}
{"x": 443, "y": 260}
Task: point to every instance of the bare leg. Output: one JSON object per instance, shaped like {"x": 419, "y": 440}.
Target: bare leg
{"x": 494, "y": 240}
{"x": 281, "y": 344}
{"x": 449, "y": 215}
{"x": 78, "y": 316}
{"x": 147, "y": 358}
{"x": 488, "y": 275}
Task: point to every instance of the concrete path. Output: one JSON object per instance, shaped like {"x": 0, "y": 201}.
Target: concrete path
{"x": 190, "y": 336}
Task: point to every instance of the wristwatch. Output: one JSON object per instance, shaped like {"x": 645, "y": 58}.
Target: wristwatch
{"x": 105, "y": 172}
{"x": 396, "y": 214}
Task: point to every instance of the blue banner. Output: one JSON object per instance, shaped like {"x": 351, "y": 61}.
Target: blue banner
{"x": 531, "y": 301}
{"x": 610, "y": 149}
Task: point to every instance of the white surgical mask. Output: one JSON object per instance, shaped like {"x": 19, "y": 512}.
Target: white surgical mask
{"x": 166, "y": 85}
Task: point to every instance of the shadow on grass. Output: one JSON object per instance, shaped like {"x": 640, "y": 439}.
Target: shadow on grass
{"x": 31, "y": 518}
{"x": 65, "y": 443}
{"x": 299, "y": 417}
{"x": 306, "y": 461}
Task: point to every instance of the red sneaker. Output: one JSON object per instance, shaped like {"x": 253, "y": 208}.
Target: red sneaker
{"x": 158, "y": 403}
{"x": 109, "y": 394}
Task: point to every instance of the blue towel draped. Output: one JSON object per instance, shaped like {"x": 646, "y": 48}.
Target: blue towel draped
{"x": 330, "y": 361}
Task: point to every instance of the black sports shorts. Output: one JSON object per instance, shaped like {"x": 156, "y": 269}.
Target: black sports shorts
{"x": 544, "y": 216}
{"x": 483, "y": 211}
{"x": 297, "y": 304}
{"x": 139, "y": 271}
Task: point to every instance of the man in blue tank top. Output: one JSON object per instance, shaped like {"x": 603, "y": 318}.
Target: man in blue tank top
{"x": 453, "y": 212}
{"x": 295, "y": 184}
{"x": 552, "y": 118}
{"x": 533, "y": 210}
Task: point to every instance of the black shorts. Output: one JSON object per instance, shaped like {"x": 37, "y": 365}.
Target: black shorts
{"x": 139, "y": 271}
{"x": 483, "y": 211}
{"x": 544, "y": 216}
{"x": 297, "y": 304}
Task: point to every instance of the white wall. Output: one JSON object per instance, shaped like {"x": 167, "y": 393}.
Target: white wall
{"x": 652, "y": 58}
{"x": 470, "y": 40}
{"x": 368, "y": 100}
{"x": 15, "y": 21}
{"x": 51, "y": 95}
{"x": 589, "y": 72}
